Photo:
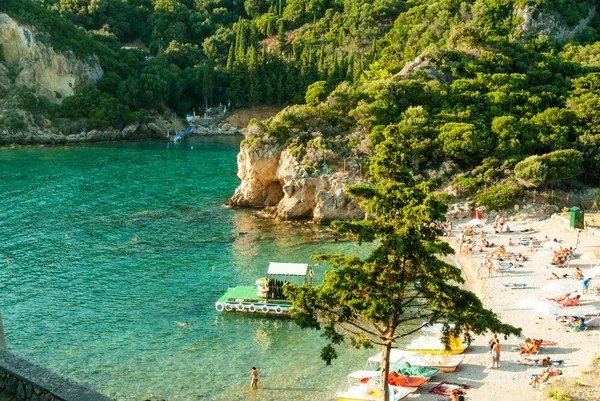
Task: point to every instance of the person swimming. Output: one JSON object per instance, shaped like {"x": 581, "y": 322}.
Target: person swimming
{"x": 182, "y": 324}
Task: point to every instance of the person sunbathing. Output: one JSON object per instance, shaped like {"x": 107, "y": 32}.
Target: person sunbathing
{"x": 578, "y": 275}
{"x": 576, "y": 324}
{"x": 554, "y": 276}
{"x": 486, "y": 244}
{"x": 561, "y": 298}
{"x": 530, "y": 346}
{"x": 510, "y": 242}
{"x": 570, "y": 301}
{"x": 521, "y": 258}
{"x": 535, "y": 362}
{"x": 544, "y": 376}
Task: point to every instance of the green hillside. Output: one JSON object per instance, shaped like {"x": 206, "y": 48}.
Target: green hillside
{"x": 481, "y": 84}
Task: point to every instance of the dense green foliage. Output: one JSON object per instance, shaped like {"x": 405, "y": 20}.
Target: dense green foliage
{"x": 402, "y": 283}
{"x": 470, "y": 82}
{"x": 467, "y": 83}
{"x": 201, "y": 53}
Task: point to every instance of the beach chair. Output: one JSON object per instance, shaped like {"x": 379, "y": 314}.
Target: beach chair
{"x": 515, "y": 286}
{"x": 503, "y": 269}
{"x": 589, "y": 323}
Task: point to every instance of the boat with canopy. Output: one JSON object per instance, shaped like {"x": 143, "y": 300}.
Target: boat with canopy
{"x": 266, "y": 295}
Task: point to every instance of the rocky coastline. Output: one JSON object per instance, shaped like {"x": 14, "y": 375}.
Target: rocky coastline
{"x": 158, "y": 129}
{"x": 274, "y": 180}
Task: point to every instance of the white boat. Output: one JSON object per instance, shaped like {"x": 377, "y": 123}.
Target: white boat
{"x": 369, "y": 391}
{"x": 435, "y": 329}
{"x": 445, "y": 363}
{"x": 434, "y": 345}
{"x": 396, "y": 356}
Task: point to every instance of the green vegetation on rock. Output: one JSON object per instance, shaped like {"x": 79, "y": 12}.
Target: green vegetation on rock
{"x": 495, "y": 89}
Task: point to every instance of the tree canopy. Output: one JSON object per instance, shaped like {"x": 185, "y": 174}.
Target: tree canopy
{"x": 402, "y": 284}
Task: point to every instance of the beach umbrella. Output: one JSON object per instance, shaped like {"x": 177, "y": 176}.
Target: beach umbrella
{"x": 551, "y": 245}
{"x": 474, "y": 222}
{"x": 556, "y": 287}
{"x": 590, "y": 255}
{"x": 527, "y": 303}
{"x": 592, "y": 272}
{"x": 544, "y": 253}
{"x": 547, "y": 308}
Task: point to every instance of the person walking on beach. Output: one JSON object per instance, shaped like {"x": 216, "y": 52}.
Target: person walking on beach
{"x": 254, "y": 382}
{"x": 496, "y": 354}
{"x": 585, "y": 284}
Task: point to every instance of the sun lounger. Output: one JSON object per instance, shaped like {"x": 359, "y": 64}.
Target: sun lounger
{"x": 505, "y": 268}
{"x": 515, "y": 286}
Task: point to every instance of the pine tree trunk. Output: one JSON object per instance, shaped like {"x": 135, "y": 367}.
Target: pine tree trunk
{"x": 385, "y": 369}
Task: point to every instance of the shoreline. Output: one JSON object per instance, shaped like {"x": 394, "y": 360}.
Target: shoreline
{"x": 576, "y": 349}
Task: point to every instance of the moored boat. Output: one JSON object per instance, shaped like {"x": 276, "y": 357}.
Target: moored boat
{"x": 369, "y": 391}
{"x": 445, "y": 363}
{"x": 434, "y": 345}
{"x": 266, "y": 295}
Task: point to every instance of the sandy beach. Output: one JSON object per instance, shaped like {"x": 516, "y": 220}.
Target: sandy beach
{"x": 576, "y": 349}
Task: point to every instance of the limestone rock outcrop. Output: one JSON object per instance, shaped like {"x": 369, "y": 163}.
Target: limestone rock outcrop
{"x": 39, "y": 67}
{"x": 274, "y": 179}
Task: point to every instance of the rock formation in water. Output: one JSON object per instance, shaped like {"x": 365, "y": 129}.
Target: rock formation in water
{"x": 276, "y": 180}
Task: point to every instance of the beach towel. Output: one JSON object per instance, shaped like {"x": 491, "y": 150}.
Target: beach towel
{"x": 447, "y": 388}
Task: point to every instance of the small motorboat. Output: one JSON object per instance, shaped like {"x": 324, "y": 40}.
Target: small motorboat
{"x": 445, "y": 363}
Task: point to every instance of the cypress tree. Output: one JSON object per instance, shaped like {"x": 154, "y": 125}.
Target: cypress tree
{"x": 231, "y": 57}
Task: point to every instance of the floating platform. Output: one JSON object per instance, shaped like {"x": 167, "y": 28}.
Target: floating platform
{"x": 244, "y": 299}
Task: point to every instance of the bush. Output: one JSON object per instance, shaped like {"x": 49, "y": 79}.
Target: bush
{"x": 468, "y": 185}
{"x": 317, "y": 92}
{"x": 499, "y": 197}
{"x": 550, "y": 168}
{"x": 532, "y": 170}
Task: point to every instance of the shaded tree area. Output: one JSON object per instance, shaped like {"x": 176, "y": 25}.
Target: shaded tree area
{"x": 402, "y": 284}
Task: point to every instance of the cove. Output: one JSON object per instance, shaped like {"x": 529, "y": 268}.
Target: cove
{"x": 100, "y": 308}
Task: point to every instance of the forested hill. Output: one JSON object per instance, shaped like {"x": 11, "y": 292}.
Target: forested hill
{"x": 483, "y": 84}
{"x": 183, "y": 54}
{"x": 492, "y": 97}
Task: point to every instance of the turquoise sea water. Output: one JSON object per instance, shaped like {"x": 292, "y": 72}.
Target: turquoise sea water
{"x": 100, "y": 308}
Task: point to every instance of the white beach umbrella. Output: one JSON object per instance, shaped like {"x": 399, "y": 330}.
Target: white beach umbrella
{"x": 556, "y": 287}
{"x": 551, "y": 245}
{"x": 527, "y": 303}
{"x": 592, "y": 272}
{"x": 547, "y": 308}
{"x": 474, "y": 222}
{"x": 544, "y": 253}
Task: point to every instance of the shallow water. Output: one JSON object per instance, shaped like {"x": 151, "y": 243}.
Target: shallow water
{"x": 100, "y": 308}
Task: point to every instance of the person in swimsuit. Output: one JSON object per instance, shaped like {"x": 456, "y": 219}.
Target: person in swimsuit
{"x": 254, "y": 381}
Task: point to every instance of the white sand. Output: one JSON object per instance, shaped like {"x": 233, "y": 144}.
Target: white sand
{"x": 575, "y": 348}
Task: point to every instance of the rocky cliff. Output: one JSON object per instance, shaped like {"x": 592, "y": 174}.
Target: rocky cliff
{"x": 275, "y": 180}
{"x": 38, "y": 67}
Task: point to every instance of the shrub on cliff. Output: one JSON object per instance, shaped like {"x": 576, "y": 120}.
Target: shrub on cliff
{"x": 550, "y": 168}
{"x": 499, "y": 197}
